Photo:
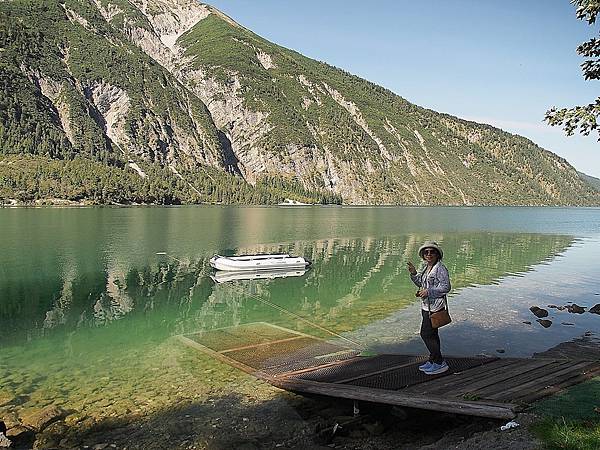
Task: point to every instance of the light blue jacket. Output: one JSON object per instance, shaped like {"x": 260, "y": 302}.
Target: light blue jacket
{"x": 437, "y": 283}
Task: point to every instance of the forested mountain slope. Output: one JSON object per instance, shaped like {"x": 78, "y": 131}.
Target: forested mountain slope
{"x": 170, "y": 101}
{"x": 592, "y": 181}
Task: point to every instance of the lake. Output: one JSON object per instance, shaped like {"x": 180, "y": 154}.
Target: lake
{"x": 88, "y": 295}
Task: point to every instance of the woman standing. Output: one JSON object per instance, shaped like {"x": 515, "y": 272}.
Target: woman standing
{"x": 434, "y": 284}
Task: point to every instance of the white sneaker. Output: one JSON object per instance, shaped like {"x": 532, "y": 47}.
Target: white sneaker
{"x": 437, "y": 368}
{"x": 425, "y": 367}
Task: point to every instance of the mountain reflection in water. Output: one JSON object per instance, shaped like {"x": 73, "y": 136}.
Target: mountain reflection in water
{"x": 352, "y": 283}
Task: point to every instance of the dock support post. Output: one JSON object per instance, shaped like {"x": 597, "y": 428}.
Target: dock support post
{"x": 356, "y": 409}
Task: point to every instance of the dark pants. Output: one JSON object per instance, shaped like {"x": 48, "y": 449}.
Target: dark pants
{"x": 431, "y": 338}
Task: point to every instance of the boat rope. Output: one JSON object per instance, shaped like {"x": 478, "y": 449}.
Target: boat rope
{"x": 169, "y": 256}
{"x": 303, "y": 319}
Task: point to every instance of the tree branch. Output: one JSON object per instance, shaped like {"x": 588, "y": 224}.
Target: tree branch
{"x": 581, "y": 118}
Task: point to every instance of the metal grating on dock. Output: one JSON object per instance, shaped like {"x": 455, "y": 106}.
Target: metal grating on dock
{"x": 411, "y": 375}
{"x": 488, "y": 387}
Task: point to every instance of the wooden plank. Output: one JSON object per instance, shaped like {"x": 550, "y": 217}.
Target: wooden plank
{"x": 481, "y": 409}
{"x": 481, "y": 378}
{"x": 562, "y": 369}
{"x": 534, "y": 374}
{"x": 441, "y": 385}
{"x": 502, "y": 380}
{"x": 557, "y": 387}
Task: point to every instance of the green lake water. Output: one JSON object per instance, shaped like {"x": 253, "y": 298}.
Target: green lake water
{"x": 84, "y": 296}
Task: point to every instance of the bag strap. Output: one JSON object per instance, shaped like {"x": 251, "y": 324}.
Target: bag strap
{"x": 445, "y": 303}
{"x": 424, "y": 282}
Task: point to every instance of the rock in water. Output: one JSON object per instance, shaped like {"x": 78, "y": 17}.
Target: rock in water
{"x": 538, "y": 312}
{"x": 574, "y": 308}
{"x": 6, "y": 397}
{"x": 595, "y": 309}
{"x": 38, "y": 420}
{"x": 545, "y": 323}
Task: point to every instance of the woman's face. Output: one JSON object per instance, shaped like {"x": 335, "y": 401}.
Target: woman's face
{"x": 430, "y": 255}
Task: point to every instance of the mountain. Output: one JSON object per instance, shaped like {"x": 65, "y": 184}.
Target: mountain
{"x": 592, "y": 181}
{"x": 171, "y": 101}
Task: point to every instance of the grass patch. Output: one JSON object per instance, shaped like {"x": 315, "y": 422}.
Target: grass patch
{"x": 570, "y": 420}
{"x": 568, "y": 434}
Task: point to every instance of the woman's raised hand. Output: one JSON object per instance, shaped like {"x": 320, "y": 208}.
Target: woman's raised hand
{"x": 411, "y": 268}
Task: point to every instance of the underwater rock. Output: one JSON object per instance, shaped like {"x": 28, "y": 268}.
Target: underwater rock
{"x": 40, "y": 419}
{"x": 6, "y": 397}
{"x": 545, "y": 323}
{"x": 538, "y": 312}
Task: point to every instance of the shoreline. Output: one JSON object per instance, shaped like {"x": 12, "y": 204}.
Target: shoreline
{"x": 62, "y": 203}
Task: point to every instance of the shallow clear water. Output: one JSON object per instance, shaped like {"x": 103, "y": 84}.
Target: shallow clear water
{"x": 83, "y": 291}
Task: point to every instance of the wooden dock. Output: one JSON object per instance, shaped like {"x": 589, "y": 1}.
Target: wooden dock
{"x": 297, "y": 362}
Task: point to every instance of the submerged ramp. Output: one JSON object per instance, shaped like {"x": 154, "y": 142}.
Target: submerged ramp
{"x": 297, "y": 362}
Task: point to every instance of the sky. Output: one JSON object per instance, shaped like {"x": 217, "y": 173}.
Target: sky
{"x": 501, "y": 62}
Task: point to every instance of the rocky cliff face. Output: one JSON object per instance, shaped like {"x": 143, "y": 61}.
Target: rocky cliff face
{"x": 179, "y": 84}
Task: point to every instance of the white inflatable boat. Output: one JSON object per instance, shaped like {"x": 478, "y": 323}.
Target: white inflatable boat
{"x": 258, "y": 262}
{"x": 222, "y": 276}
